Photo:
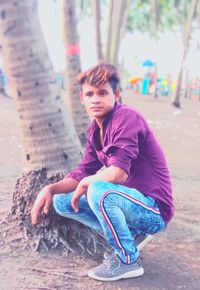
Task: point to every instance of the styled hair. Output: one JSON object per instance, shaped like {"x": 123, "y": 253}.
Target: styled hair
{"x": 99, "y": 75}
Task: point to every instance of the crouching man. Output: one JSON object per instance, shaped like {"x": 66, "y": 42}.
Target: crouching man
{"x": 132, "y": 196}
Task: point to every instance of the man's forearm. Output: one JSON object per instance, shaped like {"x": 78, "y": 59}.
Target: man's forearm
{"x": 113, "y": 174}
{"x": 64, "y": 186}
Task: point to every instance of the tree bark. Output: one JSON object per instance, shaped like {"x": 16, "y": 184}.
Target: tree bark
{"x": 53, "y": 232}
{"x": 187, "y": 33}
{"x": 119, "y": 22}
{"x": 109, "y": 32}
{"x": 97, "y": 24}
{"x": 51, "y": 146}
{"x": 48, "y": 136}
{"x": 73, "y": 68}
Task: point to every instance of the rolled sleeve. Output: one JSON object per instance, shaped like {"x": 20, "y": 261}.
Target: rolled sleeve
{"x": 127, "y": 132}
{"x": 118, "y": 157}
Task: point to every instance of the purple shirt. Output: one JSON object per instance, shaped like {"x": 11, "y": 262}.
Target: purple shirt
{"x": 130, "y": 144}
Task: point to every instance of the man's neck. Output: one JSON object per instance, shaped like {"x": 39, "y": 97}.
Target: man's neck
{"x": 100, "y": 122}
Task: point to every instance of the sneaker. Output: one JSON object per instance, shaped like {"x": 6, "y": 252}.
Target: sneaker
{"x": 113, "y": 269}
{"x": 141, "y": 240}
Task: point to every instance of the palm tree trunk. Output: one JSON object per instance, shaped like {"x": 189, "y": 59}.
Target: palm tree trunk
{"x": 119, "y": 22}
{"x": 47, "y": 133}
{"x": 109, "y": 32}
{"x": 51, "y": 145}
{"x": 73, "y": 67}
{"x": 97, "y": 24}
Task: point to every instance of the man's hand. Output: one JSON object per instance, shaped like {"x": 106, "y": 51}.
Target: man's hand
{"x": 80, "y": 190}
{"x": 43, "y": 201}
{"x": 112, "y": 174}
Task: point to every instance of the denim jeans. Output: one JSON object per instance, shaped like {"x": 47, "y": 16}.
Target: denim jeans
{"x": 119, "y": 211}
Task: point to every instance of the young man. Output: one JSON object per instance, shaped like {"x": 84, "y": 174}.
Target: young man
{"x": 131, "y": 195}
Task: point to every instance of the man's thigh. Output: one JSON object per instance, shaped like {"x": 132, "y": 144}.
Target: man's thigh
{"x": 141, "y": 212}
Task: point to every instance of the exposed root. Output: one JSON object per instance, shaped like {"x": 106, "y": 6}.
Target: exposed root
{"x": 52, "y": 231}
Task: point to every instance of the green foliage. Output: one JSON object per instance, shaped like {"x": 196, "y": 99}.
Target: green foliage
{"x": 157, "y": 16}
{"x": 152, "y": 16}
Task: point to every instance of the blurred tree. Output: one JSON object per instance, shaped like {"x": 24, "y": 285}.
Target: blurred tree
{"x": 51, "y": 146}
{"x": 109, "y": 31}
{"x": 155, "y": 16}
{"x": 186, "y": 38}
{"x": 152, "y": 16}
{"x": 96, "y": 10}
{"x": 73, "y": 67}
{"x": 119, "y": 20}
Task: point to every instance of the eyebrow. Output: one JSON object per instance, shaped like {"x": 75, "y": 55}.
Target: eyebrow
{"x": 98, "y": 90}
{"x": 88, "y": 92}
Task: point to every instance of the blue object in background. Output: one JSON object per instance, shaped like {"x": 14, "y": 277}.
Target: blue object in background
{"x": 148, "y": 63}
{"x": 145, "y": 86}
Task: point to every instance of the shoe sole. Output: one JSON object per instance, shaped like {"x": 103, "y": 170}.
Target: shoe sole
{"x": 141, "y": 245}
{"x": 131, "y": 274}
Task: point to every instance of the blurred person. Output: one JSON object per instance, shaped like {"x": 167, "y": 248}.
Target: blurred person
{"x": 131, "y": 196}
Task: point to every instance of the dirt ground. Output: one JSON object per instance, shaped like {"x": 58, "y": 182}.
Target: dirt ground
{"x": 171, "y": 260}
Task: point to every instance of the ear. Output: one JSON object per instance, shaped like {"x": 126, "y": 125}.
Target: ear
{"x": 81, "y": 97}
{"x": 117, "y": 94}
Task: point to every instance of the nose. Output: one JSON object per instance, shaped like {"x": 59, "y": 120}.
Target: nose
{"x": 95, "y": 99}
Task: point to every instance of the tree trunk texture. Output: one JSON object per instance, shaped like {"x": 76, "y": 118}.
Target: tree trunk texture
{"x": 109, "y": 32}
{"x": 51, "y": 145}
{"x": 73, "y": 68}
{"x": 48, "y": 136}
{"x": 119, "y": 21}
{"x": 176, "y": 101}
{"x": 186, "y": 37}
{"x": 97, "y": 24}
{"x": 186, "y": 83}
{"x": 53, "y": 232}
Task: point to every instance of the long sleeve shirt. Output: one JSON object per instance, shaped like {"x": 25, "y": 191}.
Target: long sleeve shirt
{"x": 130, "y": 144}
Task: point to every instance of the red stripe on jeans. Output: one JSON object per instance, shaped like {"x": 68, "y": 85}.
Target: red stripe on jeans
{"x": 110, "y": 224}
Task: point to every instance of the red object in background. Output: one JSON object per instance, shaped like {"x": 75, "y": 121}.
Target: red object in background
{"x": 72, "y": 49}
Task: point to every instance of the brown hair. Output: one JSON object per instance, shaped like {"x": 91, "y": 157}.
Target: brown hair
{"x": 99, "y": 75}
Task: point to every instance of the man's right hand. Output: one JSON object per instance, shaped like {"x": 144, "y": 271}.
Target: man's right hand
{"x": 43, "y": 201}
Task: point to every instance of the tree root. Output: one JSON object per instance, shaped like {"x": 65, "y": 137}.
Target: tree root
{"x": 53, "y": 231}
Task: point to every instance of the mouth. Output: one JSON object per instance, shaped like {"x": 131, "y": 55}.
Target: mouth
{"x": 96, "y": 108}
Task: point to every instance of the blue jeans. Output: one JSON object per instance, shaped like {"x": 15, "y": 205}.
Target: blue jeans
{"x": 119, "y": 211}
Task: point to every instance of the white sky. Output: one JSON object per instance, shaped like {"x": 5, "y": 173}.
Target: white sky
{"x": 135, "y": 48}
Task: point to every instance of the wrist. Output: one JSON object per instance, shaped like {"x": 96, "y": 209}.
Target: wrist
{"x": 83, "y": 184}
{"x": 50, "y": 188}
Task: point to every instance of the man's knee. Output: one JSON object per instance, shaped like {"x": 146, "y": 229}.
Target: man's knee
{"x": 62, "y": 204}
{"x": 96, "y": 190}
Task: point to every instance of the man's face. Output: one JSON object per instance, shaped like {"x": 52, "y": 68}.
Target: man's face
{"x": 98, "y": 101}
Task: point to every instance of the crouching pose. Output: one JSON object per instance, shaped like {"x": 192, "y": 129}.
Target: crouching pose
{"x": 132, "y": 195}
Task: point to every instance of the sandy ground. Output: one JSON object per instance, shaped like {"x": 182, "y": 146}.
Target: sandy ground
{"x": 171, "y": 260}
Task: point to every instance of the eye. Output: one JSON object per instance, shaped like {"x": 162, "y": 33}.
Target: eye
{"x": 89, "y": 94}
{"x": 103, "y": 93}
